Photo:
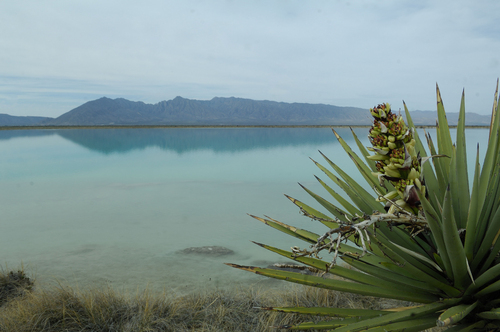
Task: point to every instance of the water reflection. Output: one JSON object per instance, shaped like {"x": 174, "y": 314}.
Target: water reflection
{"x": 182, "y": 140}
{"x": 10, "y": 134}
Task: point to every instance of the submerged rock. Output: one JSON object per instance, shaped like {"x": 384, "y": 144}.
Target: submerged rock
{"x": 208, "y": 250}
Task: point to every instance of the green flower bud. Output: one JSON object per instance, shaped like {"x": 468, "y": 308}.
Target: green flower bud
{"x": 413, "y": 174}
{"x": 401, "y": 203}
{"x": 382, "y": 151}
{"x": 378, "y": 157}
{"x": 392, "y": 166}
{"x": 390, "y": 195}
{"x": 383, "y": 128}
{"x": 393, "y": 173}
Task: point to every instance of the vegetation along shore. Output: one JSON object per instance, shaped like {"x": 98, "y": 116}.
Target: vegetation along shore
{"x": 24, "y": 306}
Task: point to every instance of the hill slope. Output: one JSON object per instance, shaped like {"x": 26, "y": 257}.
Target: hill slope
{"x": 10, "y": 120}
{"x": 218, "y": 111}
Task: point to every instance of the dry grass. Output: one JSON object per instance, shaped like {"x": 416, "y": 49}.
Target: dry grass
{"x": 65, "y": 309}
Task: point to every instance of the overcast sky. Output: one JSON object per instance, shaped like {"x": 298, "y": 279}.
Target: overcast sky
{"x": 57, "y": 55}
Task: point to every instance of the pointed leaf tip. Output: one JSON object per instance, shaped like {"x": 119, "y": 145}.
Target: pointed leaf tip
{"x": 243, "y": 267}
{"x": 438, "y": 95}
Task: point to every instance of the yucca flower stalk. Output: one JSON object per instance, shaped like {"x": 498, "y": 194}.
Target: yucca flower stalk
{"x": 437, "y": 244}
{"x": 396, "y": 159}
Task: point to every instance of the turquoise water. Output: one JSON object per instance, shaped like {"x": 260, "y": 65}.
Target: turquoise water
{"x": 114, "y": 206}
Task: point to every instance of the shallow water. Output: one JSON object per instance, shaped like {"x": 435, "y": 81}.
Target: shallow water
{"x": 114, "y": 206}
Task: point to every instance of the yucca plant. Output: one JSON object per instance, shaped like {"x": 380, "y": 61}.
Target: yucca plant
{"x": 422, "y": 237}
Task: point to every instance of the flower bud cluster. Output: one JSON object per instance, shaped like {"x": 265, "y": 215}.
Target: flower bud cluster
{"x": 396, "y": 158}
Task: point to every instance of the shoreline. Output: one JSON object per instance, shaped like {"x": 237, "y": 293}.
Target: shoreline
{"x": 208, "y": 126}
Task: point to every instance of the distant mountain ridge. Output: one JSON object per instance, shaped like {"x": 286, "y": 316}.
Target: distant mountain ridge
{"x": 218, "y": 111}
{"x": 10, "y": 120}
{"x": 429, "y": 118}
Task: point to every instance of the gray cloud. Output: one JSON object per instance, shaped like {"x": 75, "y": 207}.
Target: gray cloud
{"x": 58, "y": 54}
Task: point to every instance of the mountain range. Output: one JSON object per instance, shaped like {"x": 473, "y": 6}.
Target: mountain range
{"x": 218, "y": 111}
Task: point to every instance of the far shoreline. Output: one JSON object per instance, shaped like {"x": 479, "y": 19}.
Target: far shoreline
{"x": 210, "y": 126}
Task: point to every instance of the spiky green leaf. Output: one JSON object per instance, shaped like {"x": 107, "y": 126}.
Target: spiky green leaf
{"x": 301, "y": 234}
{"x": 364, "y": 152}
{"x": 362, "y": 198}
{"x": 329, "y": 311}
{"x": 406, "y": 315}
{"x": 315, "y": 214}
{"x": 445, "y": 145}
{"x": 472, "y": 214}
{"x": 339, "y": 285}
{"x": 455, "y": 314}
{"x": 463, "y": 195}
{"x": 453, "y": 244}
{"x": 333, "y": 209}
{"x": 493, "y": 314}
{"x": 389, "y": 275}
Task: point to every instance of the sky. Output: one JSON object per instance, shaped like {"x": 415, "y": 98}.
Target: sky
{"x": 58, "y": 54}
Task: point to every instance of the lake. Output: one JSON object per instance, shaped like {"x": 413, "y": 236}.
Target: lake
{"x": 92, "y": 207}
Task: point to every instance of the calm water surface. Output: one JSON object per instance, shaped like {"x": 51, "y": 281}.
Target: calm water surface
{"x": 91, "y": 207}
